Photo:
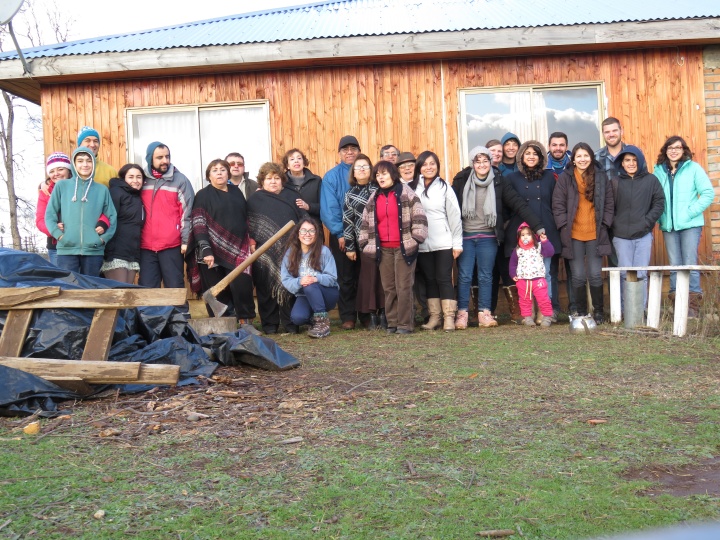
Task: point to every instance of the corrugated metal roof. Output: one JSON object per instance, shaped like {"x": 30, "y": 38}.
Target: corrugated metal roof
{"x": 380, "y": 17}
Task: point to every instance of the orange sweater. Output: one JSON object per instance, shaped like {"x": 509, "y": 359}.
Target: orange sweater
{"x": 583, "y": 227}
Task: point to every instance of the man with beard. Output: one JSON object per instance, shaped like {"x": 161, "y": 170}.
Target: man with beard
{"x": 612, "y": 133}
{"x": 167, "y": 196}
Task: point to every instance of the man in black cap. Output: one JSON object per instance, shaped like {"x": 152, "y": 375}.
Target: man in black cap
{"x": 332, "y": 196}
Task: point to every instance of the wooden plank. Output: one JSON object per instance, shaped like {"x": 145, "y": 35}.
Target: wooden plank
{"x": 92, "y": 372}
{"x": 158, "y": 374}
{"x": 74, "y": 384}
{"x": 14, "y": 332}
{"x": 15, "y": 296}
{"x": 109, "y": 298}
{"x": 99, "y": 340}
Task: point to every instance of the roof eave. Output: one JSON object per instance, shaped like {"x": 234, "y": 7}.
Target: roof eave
{"x": 329, "y": 51}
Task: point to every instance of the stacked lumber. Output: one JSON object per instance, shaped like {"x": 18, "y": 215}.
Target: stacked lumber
{"x": 93, "y": 368}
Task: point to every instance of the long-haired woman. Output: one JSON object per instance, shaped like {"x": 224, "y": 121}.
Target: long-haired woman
{"x": 583, "y": 207}
{"x": 444, "y": 241}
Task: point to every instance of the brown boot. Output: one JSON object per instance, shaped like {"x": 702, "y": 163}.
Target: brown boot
{"x": 694, "y": 304}
{"x": 449, "y": 308}
{"x": 513, "y": 300}
{"x": 434, "y": 308}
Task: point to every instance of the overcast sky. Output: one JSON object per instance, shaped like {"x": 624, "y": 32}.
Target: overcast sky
{"x": 87, "y": 20}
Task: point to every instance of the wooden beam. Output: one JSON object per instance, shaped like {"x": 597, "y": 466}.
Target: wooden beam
{"x": 158, "y": 374}
{"x": 74, "y": 384}
{"x": 90, "y": 371}
{"x": 99, "y": 340}
{"x": 14, "y": 332}
{"x": 107, "y": 299}
{"x": 15, "y": 296}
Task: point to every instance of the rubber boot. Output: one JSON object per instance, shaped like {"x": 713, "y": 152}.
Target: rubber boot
{"x": 513, "y": 300}
{"x": 434, "y": 308}
{"x": 449, "y": 308}
{"x": 581, "y": 301}
{"x": 597, "y": 297}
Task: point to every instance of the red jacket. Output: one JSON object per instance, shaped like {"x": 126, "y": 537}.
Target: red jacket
{"x": 168, "y": 201}
{"x": 386, "y": 210}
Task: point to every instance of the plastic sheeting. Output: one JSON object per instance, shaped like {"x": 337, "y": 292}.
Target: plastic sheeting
{"x": 146, "y": 334}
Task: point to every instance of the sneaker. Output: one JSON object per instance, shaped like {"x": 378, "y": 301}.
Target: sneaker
{"x": 546, "y": 322}
{"x": 461, "y": 319}
{"x": 528, "y": 321}
{"x": 486, "y": 320}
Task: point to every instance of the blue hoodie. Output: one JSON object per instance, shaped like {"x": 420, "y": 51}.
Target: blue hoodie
{"x": 506, "y": 168}
{"x": 332, "y": 196}
{"x": 639, "y": 199}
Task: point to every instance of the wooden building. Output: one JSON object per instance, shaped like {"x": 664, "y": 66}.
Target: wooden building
{"x": 442, "y": 76}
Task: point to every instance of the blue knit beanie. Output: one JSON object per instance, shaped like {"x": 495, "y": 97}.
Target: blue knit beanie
{"x": 86, "y": 131}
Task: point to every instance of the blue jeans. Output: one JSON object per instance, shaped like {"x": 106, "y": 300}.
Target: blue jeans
{"x": 88, "y": 265}
{"x": 52, "y": 256}
{"x": 480, "y": 252}
{"x": 682, "y": 249}
{"x": 634, "y": 253}
{"x": 316, "y": 299}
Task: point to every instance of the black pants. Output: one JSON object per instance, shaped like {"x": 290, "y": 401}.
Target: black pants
{"x": 164, "y": 267}
{"x": 348, "y": 275}
{"x": 271, "y": 313}
{"x": 436, "y": 268}
{"x": 501, "y": 272}
{"x": 238, "y": 296}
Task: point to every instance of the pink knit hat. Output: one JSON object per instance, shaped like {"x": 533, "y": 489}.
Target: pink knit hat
{"x": 57, "y": 159}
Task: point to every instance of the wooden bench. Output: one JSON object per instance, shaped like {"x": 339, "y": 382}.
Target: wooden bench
{"x": 655, "y": 277}
{"x": 94, "y": 367}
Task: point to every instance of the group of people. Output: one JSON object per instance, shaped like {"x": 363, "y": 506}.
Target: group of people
{"x": 396, "y": 228}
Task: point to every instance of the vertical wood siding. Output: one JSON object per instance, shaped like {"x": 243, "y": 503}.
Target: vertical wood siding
{"x": 648, "y": 90}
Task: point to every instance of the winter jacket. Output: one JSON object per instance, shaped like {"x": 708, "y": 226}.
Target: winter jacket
{"x": 40, "y": 209}
{"x": 639, "y": 200}
{"x": 80, "y": 216}
{"x": 168, "y": 201}
{"x": 505, "y": 198}
{"x": 566, "y": 199}
{"x": 125, "y": 245}
{"x": 607, "y": 162}
{"x": 528, "y": 263}
{"x": 332, "y": 195}
{"x": 443, "y": 216}
{"x": 353, "y": 207}
{"x": 308, "y": 191}
{"x": 538, "y": 195}
{"x": 692, "y": 192}
{"x": 326, "y": 276}
{"x": 411, "y": 222}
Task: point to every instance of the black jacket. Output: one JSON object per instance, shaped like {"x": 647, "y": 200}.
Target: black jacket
{"x": 505, "y": 197}
{"x": 125, "y": 244}
{"x": 308, "y": 191}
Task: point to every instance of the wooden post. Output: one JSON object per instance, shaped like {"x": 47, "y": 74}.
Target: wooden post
{"x": 615, "y": 302}
{"x": 682, "y": 293}
{"x": 654, "y": 299}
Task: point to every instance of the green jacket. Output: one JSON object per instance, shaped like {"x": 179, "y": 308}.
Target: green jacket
{"x": 691, "y": 194}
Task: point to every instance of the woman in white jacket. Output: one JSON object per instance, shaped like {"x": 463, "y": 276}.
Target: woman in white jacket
{"x": 444, "y": 241}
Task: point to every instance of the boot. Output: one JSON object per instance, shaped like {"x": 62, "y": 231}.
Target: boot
{"x": 473, "y": 307}
{"x": 597, "y": 297}
{"x": 546, "y": 322}
{"x": 321, "y": 325}
{"x": 694, "y": 303}
{"x": 434, "y": 307}
{"x": 461, "y": 321}
{"x": 374, "y": 322}
{"x": 513, "y": 300}
{"x": 383, "y": 319}
{"x": 486, "y": 320}
{"x": 581, "y": 301}
{"x": 449, "y": 308}
{"x": 528, "y": 321}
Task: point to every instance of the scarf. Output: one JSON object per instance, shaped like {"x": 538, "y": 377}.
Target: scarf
{"x": 558, "y": 165}
{"x": 489, "y": 207}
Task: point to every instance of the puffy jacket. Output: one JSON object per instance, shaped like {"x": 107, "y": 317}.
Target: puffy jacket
{"x": 168, "y": 202}
{"x": 443, "y": 216}
{"x": 639, "y": 199}
{"x": 128, "y": 204}
{"x": 566, "y": 199}
{"x": 692, "y": 193}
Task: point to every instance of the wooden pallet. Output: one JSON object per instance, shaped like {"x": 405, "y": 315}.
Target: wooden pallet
{"x": 94, "y": 367}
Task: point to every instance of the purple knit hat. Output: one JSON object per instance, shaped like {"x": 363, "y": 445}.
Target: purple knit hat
{"x": 57, "y": 159}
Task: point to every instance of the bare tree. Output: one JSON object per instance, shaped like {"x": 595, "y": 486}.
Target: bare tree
{"x": 37, "y": 21}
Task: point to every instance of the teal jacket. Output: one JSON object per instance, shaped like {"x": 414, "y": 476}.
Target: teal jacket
{"x": 80, "y": 216}
{"x": 691, "y": 194}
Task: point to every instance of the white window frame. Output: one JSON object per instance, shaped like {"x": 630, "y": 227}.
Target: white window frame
{"x": 462, "y": 111}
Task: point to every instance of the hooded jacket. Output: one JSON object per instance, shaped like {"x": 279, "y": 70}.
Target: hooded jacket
{"x": 566, "y": 199}
{"x": 128, "y": 204}
{"x": 308, "y": 190}
{"x": 639, "y": 199}
{"x": 505, "y": 168}
{"x": 443, "y": 216}
{"x": 692, "y": 192}
{"x": 81, "y": 203}
{"x": 168, "y": 202}
{"x": 538, "y": 194}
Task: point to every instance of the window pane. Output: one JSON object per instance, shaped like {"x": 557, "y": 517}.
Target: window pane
{"x": 239, "y": 129}
{"x": 491, "y": 115}
{"x": 178, "y": 131}
{"x": 574, "y": 111}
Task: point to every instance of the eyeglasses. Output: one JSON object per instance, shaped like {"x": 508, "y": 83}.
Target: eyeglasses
{"x": 307, "y": 232}
{"x": 675, "y": 148}
{"x": 362, "y": 168}
{"x": 409, "y": 165}
{"x": 236, "y": 163}
{"x": 390, "y": 154}
{"x": 349, "y": 149}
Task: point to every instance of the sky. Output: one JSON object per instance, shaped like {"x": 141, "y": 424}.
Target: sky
{"x": 103, "y": 19}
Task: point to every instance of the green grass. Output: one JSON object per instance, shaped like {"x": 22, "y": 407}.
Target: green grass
{"x": 430, "y": 436}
